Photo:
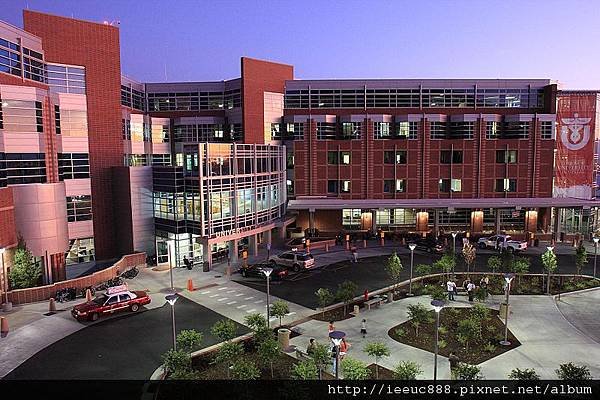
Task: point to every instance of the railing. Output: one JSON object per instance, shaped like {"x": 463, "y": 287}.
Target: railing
{"x": 41, "y": 293}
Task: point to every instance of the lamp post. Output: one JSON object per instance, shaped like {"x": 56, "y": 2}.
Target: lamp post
{"x": 267, "y": 272}
{"x": 596, "y": 239}
{"x": 336, "y": 338}
{"x": 550, "y": 249}
{"x": 412, "y": 247}
{"x": 171, "y": 299}
{"x": 170, "y": 266}
{"x": 437, "y": 306}
{"x": 508, "y": 278}
{"x": 454, "y": 243}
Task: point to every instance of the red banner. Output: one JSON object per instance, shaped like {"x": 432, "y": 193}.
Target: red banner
{"x": 575, "y": 135}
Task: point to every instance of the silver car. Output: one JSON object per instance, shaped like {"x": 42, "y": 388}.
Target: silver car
{"x": 294, "y": 260}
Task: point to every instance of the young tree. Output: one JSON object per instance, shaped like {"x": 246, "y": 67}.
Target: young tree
{"x": 394, "y": 269}
{"x": 345, "y": 293}
{"x": 377, "y": 350}
{"x": 407, "y": 371}
{"x": 320, "y": 356}
{"x": 550, "y": 265}
{"x": 189, "y": 340}
{"x": 418, "y": 314}
{"x": 268, "y": 351}
{"x": 305, "y": 370}
{"x": 423, "y": 269}
{"x": 176, "y": 360}
{"x": 224, "y": 330}
{"x": 469, "y": 253}
{"x": 228, "y": 353}
{"x": 445, "y": 264}
{"x": 325, "y": 298}
{"x": 244, "y": 370}
{"x": 24, "y": 272}
{"x": 437, "y": 292}
{"x": 355, "y": 370}
{"x": 520, "y": 266}
{"x": 469, "y": 329}
{"x": 479, "y": 313}
{"x": 573, "y": 372}
{"x": 523, "y": 375}
{"x": 467, "y": 372}
{"x": 580, "y": 258}
{"x": 258, "y": 323}
{"x": 280, "y": 309}
{"x": 494, "y": 263}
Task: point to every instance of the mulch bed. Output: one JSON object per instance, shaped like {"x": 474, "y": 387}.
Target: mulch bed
{"x": 384, "y": 373}
{"x": 492, "y": 333}
{"x": 337, "y": 314}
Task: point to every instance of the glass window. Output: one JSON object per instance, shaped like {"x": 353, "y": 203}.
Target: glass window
{"x": 506, "y": 185}
{"x": 491, "y": 130}
{"x": 79, "y": 208}
{"x": 332, "y": 186}
{"x": 388, "y": 157}
{"x": 388, "y": 184}
{"x": 351, "y": 217}
{"x": 351, "y": 130}
{"x": 400, "y": 185}
{"x": 407, "y": 130}
{"x": 346, "y": 186}
{"x": 401, "y": 157}
{"x": 447, "y": 185}
{"x": 506, "y": 156}
{"x": 345, "y": 156}
{"x": 547, "y": 129}
{"x": 451, "y": 157}
{"x": 382, "y": 130}
{"x": 332, "y": 157}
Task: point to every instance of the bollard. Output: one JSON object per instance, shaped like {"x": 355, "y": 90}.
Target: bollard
{"x": 52, "y": 305}
{"x": 356, "y": 310}
{"x": 364, "y": 243}
{"x": 190, "y": 285}
{"x": 88, "y": 295}
{"x": 326, "y": 246}
{"x": 3, "y": 326}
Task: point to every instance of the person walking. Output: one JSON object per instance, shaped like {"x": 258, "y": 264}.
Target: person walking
{"x": 187, "y": 263}
{"x": 454, "y": 361}
{"x": 331, "y": 327}
{"x": 311, "y": 347}
{"x": 334, "y": 357}
{"x": 471, "y": 291}
{"x": 344, "y": 347}
{"x": 483, "y": 284}
{"x": 354, "y": 255}
{"x": 451, "y": 287}
{"x": 363, "y": 327}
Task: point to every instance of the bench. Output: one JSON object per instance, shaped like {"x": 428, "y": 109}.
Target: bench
{"x": 375, "y": 301}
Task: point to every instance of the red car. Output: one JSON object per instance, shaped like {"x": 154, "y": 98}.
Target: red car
{"x": 116, "y": 299}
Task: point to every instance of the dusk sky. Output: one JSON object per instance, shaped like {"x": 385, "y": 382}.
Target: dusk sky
{"x": 204, "y": 40}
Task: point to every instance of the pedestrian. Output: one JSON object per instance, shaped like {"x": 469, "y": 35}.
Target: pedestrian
{"x": 471, "y": 291}
{"x": 354, "y": 254}
{"x": 454, "y": 361}
{"x": 331, "y": 327}
{"x": 483, "y": 284}
{"x": 311, "y": 347}
{"x": 451, "y": 287}
{"x": 187, "y": 263}
{"x": 466, "y": 283}
{"x": 366, "y": 295}
{"x": 334, "y": 357}
{"x": 363, "y": 327}
{"x": 344, "y": 347}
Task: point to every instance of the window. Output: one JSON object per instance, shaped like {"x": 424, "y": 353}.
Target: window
{"x": 79, "y": 208}
{"x": 400, "y": 185}
{"x": 407, "y": 130}
{"x": 388, "y": 157}
{"x": 438, "y": 130}
{"x": 57, "y": 119}
{"x": 25, "y": 168}
{"x": 351, "y": 130}
{"x": 461, "y": 130}
{"x": 325, "y": 131}
{"x": 506, "y": 156}
{"x": 456, "y": 185}
{"x": 289, "y": 160}
{"x": 381, "y": 130}
{"x": 332, "y": 186}
{"x": 451, "y": 157}
{"x": 547, "y": 129}
{"x": 345, "y": 186}
{"x": 67, "y": 79}
{"x": 290, "y": 186}
{"x": 136, "y": 160}
{"x": 22, "y": 116}
{"x": 1, "y": 116}
{"x": 126, "y": 129}
{"x": 73, "y": 166}
{"x": 506, "y": 185}
{"x": 515, "y": 130}
{"x": 276, "y": 131}
{"x": 73, "y": 123}
{"x": 332, "y": 157}
{"x": 124, "y": 297}
{"x": 345, "y": 158}
{"x": 80, "y": 250}
{"x": 351, "y": 217}
{"x": 491, "y": 130}
{"x": 161, "y": 159}
{"x": 399, "y": 157}
{"x": 112, "y": 300}
{"x": 39, "y": 117}
{"x": 388, "y": 184}
{"x": 295, "y": 131}
{"x": 448, "y": 185}
{"x": 391, "y": 185}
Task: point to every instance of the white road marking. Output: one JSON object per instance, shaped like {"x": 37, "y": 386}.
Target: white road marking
{"x": 239, "y": 294}
{"x": 258, "y": 301}
{"x": 292, "y": 313}
{"x": 248, "y": 298}
{"x": 231, "y": 302}
{"x": 205, "y": 292}
{"x": 223, "y": 288}
{"x": 225, "y": 298}
{"x": 242, "y": 306}
{"x": 252, "y": 310}
{"x": 230, "y": 291}
{"x": 214, "y": 295}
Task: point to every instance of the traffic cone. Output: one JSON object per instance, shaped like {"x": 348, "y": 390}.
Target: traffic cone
{"x": 52, "y": 305}
{"x": 88, "y": 295}
{"x": 190, "y": 285}
{"x": 3, "y": 326}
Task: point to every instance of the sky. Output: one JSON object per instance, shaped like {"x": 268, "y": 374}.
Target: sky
{"x": 187, "y": 40}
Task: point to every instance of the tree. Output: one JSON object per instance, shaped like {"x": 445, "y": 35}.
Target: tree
{"x": 320, "y": 356}
{"x": 479, "y": 313}
{"x": 258, "y": 323}
{"x": 469, "y": 329}
{"x": 244, "y": 370}
{"x": 355, "y": 370}
{"x": 324, "y": 297}
{"x": 228, "y": 352}
{"x": 25, "y": 272}
{"x": 418, "y": 314}
{"x": 524, "y": 375}
{"x": 445, "y": 264}
{"x": 224, "y": 330}
{"x": 467, "y": 372}
{"x": 394, "y": 269}
{"x": 550, "y": 265}
{"x": 305, "y": 370}
{"x": 520, "y": 266}
{"x": 494, "y": 263}
{"x": 469, "y": 253}
{"x": 268, "y": 351}
{"x": 280, "y": 309}
{"x": 176, "y": 360}
{"x": 377, "y": 350}
{"x": 189, "y": 340}
{"x": 407, "y": 371}
{"x": 437, "y": 292}
{"x": 573, "y": 372}
{"x": 423, "y": 269}
{"x": 580, "y": 258}
{"x": 346, "y": 292}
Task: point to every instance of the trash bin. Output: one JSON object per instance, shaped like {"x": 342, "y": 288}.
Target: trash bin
{"x": 283, "y": 335}
{"x": 205, "y": 266}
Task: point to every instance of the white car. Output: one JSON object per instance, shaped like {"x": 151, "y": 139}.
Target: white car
{"x": 296, "y": 261}
{"x": 500, "y": 242}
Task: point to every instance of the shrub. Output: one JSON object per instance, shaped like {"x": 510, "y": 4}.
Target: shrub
{"x": 320, "y": 356}
{"x": 244, "y": 370}
{"x": 176, "y": 360}
{"x": 524, "y": 375}
{"x": 377, "y": 350}
{"x": 418, "y": 314}
{"x": 470, "y": 330}
{"x": 481, "y": 294}
{"x": 346, "y": 292}
{"x": 268, "y": 351}
{"x": 467, "y": 372}
{"x": 442, "y": 343}
{"x": 189, "y": 340}
{"x": 407, "y": 371}
{"x": 494, "y": 263}
{"x": 186, "y": 374}
{"x": 479, "y": 312}
{"x": 355, "y": 370}
{"x": 280, "y": 309}
{"x": 573, "y": 372}
{"x": 305, "y": 370}
{"x": 25, "y": 272}
{"x": 324, "y": 298}
{"x": 400, "y": 332}
{"x": 258, "y": 323}
{"x": 227, "y": 353}
{"x": 489, "y": 348}
{"x": 423, "y": 269}
{"x": 437, "y": 292}
{"x": 442, "y": 330}
{"x": 224, "y": 330}
{"x": 580, "y": 258}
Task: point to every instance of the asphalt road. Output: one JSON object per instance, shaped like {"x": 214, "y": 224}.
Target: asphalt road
{"x": 370, "y": 274}
{"x": 125, "y": 347}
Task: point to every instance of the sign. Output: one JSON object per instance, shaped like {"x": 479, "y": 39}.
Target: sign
{"x": 117, "y": 289}
{"x": 576, "y": 133}
{"x": 233, "y": 231}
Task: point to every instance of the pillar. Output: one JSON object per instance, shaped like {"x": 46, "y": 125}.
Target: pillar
{"x": 497, "y": 221}
{"x": 374, "y": 219}
{"x": 207, "y": 254}
{"x": 436, "y": 222}
{"x": 311, "y": 220}
{"x": 267, "y": 238}
{"x": 422, "y": 221}
{"x": 476, "y": 221}
{"x": 233, "y": 251}
{"x": 253, "y": 245}
{"x": 556, "y": 223}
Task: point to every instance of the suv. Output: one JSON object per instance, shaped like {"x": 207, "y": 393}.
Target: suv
{"x": 256, "y": 271}
{"x": 117, "y": 298}
{"x": 429, "y": 245}
{"x": 295, "y": 260}
{"x": 501, "y": 242}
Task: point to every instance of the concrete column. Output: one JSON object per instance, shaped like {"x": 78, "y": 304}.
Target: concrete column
{"x": 556, "y": 224}
{"x": 207, "y": 254}
{"x": 476, "y": 221}
{"x": 311, "y": 220}
{"x": 253, "y": 244}
{"x": 374, "y": 219}
{"x": 233, "y": 251}
{"x": 436, "y": 222}
{"x": 497, "y": 220}
{"x": 267, "y": 237}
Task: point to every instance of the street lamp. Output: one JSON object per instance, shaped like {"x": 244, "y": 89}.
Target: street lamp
{"x": 437, "y": 306}
{"x": 412, "y": 247}
{"x": 508, "y": 278}
{"x": 550, "y": 249}
{"x": 596, "y": 239}
{"x": 336, "y": 338}
{"x": 454, "y": 242}
{"x": 267, "y": 271}
{"x": 171, "y": 299}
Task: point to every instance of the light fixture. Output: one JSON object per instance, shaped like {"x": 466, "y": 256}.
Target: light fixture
{"x": 412, "y": 246}
{"x": 509, "y": 277}
{"x": 437, "y": 305}
{"x": 596, "y": 239}
{"x": 171, "y": 298}
{"x": 454, "y": 234}
{"x": 267, "y": 271}
{"x": 550, "y": 248}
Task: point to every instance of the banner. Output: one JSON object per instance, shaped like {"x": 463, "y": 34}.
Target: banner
{"x": 575, "y": 136}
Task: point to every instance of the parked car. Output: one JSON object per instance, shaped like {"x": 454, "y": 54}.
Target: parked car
{"x": 294, "y": 260}
{"x": 256, "y": 271}
{"x": 502, "y": 242}
{"x": 117, "y": 298}
{"x": 429, "y": 245}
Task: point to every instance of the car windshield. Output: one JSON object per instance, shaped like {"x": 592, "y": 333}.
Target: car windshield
{"x": 100, "y": 299}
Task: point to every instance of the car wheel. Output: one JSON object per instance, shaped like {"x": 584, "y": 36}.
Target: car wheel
{"x": 273, "y": 262}
{"x": 296, "y": 268}
{"x": 482, "y": 245}
{"x": 510, "y": 250}
{"x": 94, "y": 317}
{"x": 244, "y": 274}
{"x": 135, "y": 307}
{"x": 429, "y": 250}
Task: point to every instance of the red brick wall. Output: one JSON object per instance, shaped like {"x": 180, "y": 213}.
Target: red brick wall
{"x": 95, "y": 46}
{"x": 8, "y": 235}
{"x": 259, "y": 77}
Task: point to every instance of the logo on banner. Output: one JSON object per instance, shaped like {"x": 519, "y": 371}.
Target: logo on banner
{"x": 575, "y": 132}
